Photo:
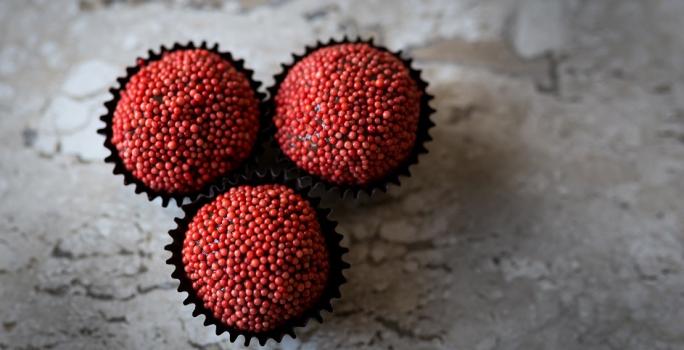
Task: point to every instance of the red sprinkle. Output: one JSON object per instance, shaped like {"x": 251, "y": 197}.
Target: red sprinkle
{"x": 184, "y": 120}
{"x": 348, "y": 113}
{"x": 256, "y": 256}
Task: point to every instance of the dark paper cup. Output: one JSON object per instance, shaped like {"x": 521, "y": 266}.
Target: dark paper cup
{"x": 327, "y": 189}
{"x": 115, "y": 159}
{"x": 332, "y": 240}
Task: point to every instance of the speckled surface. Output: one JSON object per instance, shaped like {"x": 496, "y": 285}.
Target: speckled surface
{"x": 548, "y": 214}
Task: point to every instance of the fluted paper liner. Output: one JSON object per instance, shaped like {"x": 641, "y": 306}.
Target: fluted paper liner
{"x": 332, "y": 240}
{"x": 129, "y": 178}
{"x": 344, "y": 191}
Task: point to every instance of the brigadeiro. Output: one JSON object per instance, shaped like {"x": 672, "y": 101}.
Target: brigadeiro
{"x": 351, "y": 115}
{"x": 258, "y": 259}
{"x": 181, "y": 119}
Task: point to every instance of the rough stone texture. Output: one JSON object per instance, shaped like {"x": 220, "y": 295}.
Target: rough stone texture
{"x": 548, "y": 215}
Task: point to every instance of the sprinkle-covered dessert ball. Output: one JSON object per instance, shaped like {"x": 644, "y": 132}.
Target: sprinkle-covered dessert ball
{"x": 256, "y": 256}
{"x": 348, "y": 113}
{"x": 184, "y": 120}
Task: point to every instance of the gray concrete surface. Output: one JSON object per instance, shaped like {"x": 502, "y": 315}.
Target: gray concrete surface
{"x": 548, "y": 215}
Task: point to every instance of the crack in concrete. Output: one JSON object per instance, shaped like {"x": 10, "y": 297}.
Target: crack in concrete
{"x": 115, "y": 319}
{"x": 321, "y": 13}
{"x": 29, "y": 136}
{"x": 60, "y": 253}
{"x": 554, "y": 84}
{"x": 9, "y": 325}
{"x": 163, "y": 286}
{"x": 396, "y": 328}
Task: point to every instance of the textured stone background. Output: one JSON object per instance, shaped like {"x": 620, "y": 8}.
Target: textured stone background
{"x": 548, "y": 215}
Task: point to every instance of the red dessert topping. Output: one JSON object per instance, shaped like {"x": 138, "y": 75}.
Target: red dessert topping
{"x": 256, "y": 256}
{"x": 348, "y": 113}
{"x": 184, "y": 120}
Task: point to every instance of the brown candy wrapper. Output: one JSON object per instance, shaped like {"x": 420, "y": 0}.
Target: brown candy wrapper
{"x": 327, "y": 189}
{"x": 110, "y": 105}
{"x": 332, "y": 240}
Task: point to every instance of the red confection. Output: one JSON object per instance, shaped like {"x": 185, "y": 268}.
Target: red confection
{"x": 256, "y": 256}
{"x": 184, "y": 120}
{"x": 348, "y": 113}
